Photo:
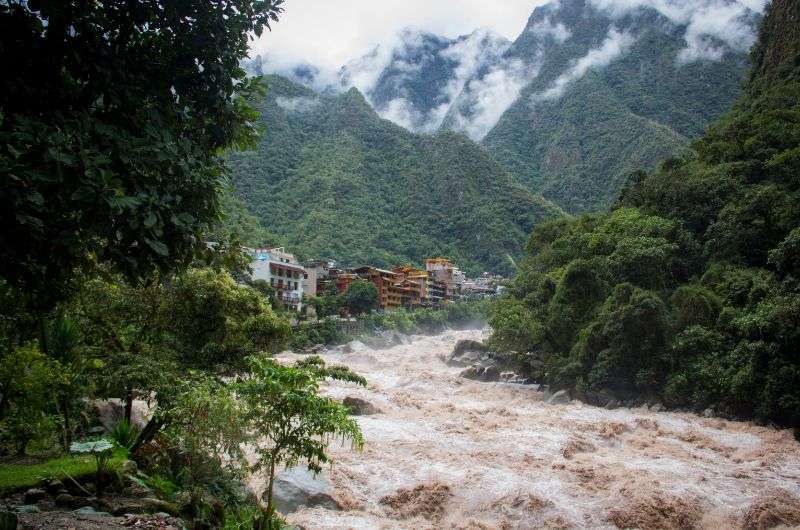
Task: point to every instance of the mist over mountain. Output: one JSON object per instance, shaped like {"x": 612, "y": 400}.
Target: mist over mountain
{"x": 588, "y": 92}
{"x": 332, "y": 179}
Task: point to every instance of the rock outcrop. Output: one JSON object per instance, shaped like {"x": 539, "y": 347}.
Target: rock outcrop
{"x": 299, "y": 487}
{"x": 360, "y": 407}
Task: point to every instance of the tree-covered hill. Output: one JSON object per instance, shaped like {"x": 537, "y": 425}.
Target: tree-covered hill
{"x": 576, "y": 146}
{"x": 590, "y": 91}
{"x": 688, "y": 292}
{"x": 333, "y": 180}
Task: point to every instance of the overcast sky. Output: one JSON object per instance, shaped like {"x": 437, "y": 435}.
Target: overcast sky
{"x": 328, "y": 33}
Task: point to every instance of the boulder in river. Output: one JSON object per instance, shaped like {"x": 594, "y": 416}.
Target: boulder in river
{"x": 468, "y": 352}
{"x": 360, "y": 407}
{"x": 485, "y": 374}
{"x": 559, "y": 398}
{"x": 298, "y": 487}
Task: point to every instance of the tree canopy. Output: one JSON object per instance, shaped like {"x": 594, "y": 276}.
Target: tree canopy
{"x": 687, "y": 291}
{"x": 112, "y": 118}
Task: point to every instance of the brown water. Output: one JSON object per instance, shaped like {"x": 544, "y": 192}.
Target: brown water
{"x": 451, "y": 453}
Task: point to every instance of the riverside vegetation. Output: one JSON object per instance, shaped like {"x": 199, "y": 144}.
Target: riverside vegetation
{"x": 114, "y": 177}
{"x": 687, "y": 291}
{"x": 112, "y": 181}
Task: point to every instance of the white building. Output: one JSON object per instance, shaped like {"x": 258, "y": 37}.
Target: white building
{"x": 282, "y": 271}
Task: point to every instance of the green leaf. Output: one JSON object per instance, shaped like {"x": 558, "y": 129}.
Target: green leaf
{"x": 157, "y": 246}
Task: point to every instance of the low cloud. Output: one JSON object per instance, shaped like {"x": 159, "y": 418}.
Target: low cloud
{"x": 546, "y": 27}
{"x": 711, "y": 25}
{"x": 297, "y": 104}
{"x": 485, "y": 99}
{"x": 614, "y": 45}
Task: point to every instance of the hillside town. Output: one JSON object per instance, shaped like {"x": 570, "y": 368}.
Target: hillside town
{"x": 402, "y": 286}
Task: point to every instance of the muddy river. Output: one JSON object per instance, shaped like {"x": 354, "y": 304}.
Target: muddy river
{"x": 447, "y": 452}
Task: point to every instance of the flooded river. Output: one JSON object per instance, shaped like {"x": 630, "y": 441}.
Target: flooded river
{"x": 446, "y": 452}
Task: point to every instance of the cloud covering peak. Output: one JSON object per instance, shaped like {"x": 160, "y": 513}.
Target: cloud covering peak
{"x": 711, "y": 25}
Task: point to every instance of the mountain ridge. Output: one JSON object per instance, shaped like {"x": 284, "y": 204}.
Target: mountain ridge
{"x": 334, "y": 180}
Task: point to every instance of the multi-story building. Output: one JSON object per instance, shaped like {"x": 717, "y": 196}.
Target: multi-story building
{"x": 390, "y": 295}
{"x": 317, "y": 274}
{"x": 443, "y": 271}
{"x": 282, "y": 271}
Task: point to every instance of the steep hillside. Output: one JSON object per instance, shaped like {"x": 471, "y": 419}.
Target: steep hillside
{"x": 334, "y": 180}
{"x": 590, "y": 91}
{"x": 414, "y": 82}
{"x": 621, "y": 92}
{"x": 688, "y": 292}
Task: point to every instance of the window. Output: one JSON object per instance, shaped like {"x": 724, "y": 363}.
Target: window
{"x": 272, "y": 281}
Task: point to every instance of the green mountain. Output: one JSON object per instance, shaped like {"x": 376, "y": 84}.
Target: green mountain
{"x": 590, "y": 91}
{"x": 621, "y": 92}
{"x": 688, "y": 292}
{"x": 333, "y": 180}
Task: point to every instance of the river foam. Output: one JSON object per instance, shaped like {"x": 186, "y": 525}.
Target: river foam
{"x": 447, "y": 452}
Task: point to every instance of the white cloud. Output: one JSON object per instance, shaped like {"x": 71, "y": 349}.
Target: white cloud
{"x": 328, "y": 33}
{"x": 485, "y": 99}
{"x": 545, "y": 27}
{"x": 709, "y": 23}
{"x": 401, "y": 112}
{"x": 614, "y": 45}
{"x": 297, "y": 104}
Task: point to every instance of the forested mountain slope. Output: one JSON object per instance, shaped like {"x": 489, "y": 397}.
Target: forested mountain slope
{"x": 621, "y": 92}
{"x": 689, "y": 291}
{"x": 333, "y": 180}
{"x": 590, "y": 91}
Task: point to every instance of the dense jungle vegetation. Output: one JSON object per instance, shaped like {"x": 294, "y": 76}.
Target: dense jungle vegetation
{"x": 113, "y": 120}
{"x": 687, "y": 291}
{"x": 333, "y": 180}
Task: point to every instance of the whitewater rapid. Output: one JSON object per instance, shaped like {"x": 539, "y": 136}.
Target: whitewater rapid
{"x": 447, "y": 452}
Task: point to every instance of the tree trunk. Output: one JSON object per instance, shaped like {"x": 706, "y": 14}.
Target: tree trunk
{"x": 128, "y": 402}
{"x": 43, "y": 335}
{"x": 270, "y": 508}
{"x": 66, "y": 425}
{"x": 147, "y": 434}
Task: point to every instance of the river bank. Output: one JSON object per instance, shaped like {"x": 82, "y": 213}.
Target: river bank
{"x": 449, "y": 452}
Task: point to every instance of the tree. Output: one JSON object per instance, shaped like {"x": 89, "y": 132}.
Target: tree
{"x": 26, "y": 376}
{"x": 113, "y": 116}
{"x": 69, "y": 370}
{"x": 283, "y": 404}
{"x": 361, "y": 297}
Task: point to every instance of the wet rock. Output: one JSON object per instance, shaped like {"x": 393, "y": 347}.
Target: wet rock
{"x": 34, "y": 495}
{"x": 484, "y": 374}
{"x": 27, "y": 508}
{"x": 559, "y": 398}
{"x": 54, "y": 486}
{"x": 67, "y": 500}
{"x": 89, "y": 510}
{"x": 157, "y": 505}
{"x": 126, "y": 507}
{"x": 299, "y": 487}
{"x": 513, "y": 378}
{"x": 467, "y": 352}
{"x": 360, "y": 407}
{"x": 708, "y": 413}
{"x": 612, "y": 404}
{"x": 657, "y": 407}
{"x": 353, "y": 346}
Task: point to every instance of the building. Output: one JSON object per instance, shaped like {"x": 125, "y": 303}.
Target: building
{"x": 282, "y": 271}
{"x": 317, "y": 275}
{"x": 443, "y": 271}
{"x": 390, "y": 295}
